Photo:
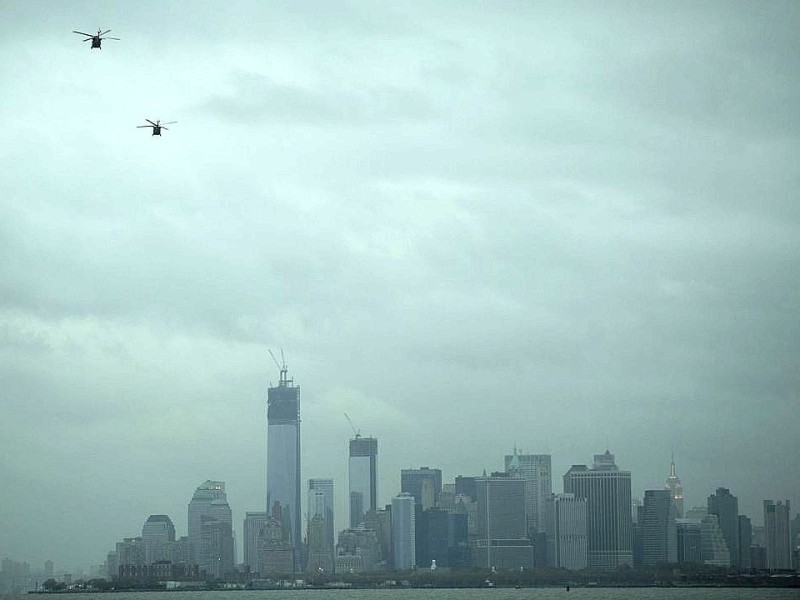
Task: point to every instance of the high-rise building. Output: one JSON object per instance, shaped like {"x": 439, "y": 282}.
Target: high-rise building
{"x": 403, "y": 532}
{"x": 276, "y": 552}
{"x": 441, "y": 538}
{"x": 757, "y": 534}
{"x": 283, "y": 458}
{"x": 363, "y": 478}
{"x": 536, "y": 471}
{"x": 465, "y": 486}
{"x": 659, "y": 530}
{"x": 758, "y": 558}
{"x": 696, "y": 513}
{"x": 745, "y": 541}
{"x": 320, "y": 504}
{"x": 636, "y": 531}
{"x": 673, "y": 484}
{"x": 501, "y": 508}
{"x": 253, "y": 524}
{"x": 689, "y": 541}
{"x": 777, "y": 536}
{"x": 380, "y": 521}
{"x": 713, "y": 549}
{"x": 210, "y": 529}
{"x": 319, "y": 555}
{"x": 130, "y": 556}
{"x": 565, "y": 527}
{"x": 726, "y": 506}
{"x": 358, "y": 550}
{"x": 156, "y": 532}
{"x": 502, "y": 539}
{"x": 424, "y": 484}
{"x": 607, "y": 491}
{"x": 178, "y": 552}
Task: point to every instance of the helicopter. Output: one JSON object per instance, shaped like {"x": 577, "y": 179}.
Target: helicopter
{"x": 157, "y": 126}
{"x": 96, "y": 39}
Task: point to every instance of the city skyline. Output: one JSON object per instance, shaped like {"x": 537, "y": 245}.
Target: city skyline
{"x": 342, "y": 521}
{"x": 561, "y": 227}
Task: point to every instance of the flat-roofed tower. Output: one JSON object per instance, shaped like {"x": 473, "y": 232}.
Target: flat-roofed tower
{"x": 283, "y": 457}
{"x": 607, "y": 491}
{"x": 363, "y": 477}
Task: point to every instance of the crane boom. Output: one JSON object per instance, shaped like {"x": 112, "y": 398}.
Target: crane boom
{"x": 277, "y": 364}
{"x": 356, "y": 432}
{"x": 284, "y": 378}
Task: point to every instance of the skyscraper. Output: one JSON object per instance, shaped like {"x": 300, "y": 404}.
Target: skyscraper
{"x": 607, "y": 491}
{"x": 403, "y": 532}
{"x": 283, "y": 457}
{"x": 358, "y": 550}
{"x": 253, "y": 524}
{"x": 690, "y": 538}
{"x": 565, "y": 525}
{"x": 320, "y": 511}
{"x": 726, "y": 506}
{"x": 777, "y": 536}
{"x": 745, "y": 541}
{"x": 673, "y": 484}
{"x": 363, "y": 478}
{"x": 276, "y": 552}
{"x": 503, "y": 540}
{"x": 156, "y": 532}
{"x": 536, "y": 470}
{"x": 210, "y": 529}
{"x": 659, "y": 529}
{"x": 713, "y": 549}
{"x": 424, "y": 484}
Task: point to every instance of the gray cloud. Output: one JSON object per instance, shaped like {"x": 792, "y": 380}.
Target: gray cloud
{"x": 255, "y": 97}
{"x": 536, "y": 224}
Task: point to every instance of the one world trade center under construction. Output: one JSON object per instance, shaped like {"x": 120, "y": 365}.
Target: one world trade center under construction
{"x": 283, "y": 459}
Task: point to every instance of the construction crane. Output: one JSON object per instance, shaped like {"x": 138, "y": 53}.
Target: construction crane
{"x": 356, "y": 432}
{"x": 284, "y": 378}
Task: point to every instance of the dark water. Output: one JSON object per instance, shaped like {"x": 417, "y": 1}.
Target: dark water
{"x": 472, "y": 594}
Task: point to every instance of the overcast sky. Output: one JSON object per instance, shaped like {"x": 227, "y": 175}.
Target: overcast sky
{"x": 469, "y": 225}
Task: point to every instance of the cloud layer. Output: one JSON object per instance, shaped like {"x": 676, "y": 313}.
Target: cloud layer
{"x": 469, "y": 227}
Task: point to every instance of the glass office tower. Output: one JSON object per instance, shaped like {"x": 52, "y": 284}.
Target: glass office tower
{"x": 283, "y": 457}
{"x": 363, "y": 478}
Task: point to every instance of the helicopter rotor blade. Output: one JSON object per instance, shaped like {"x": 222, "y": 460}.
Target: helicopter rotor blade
{"x": 110, "y": 38}
{"x": 167, "y": 128}
{"x": 87, "y": 39}
{"x": 169, "y": 123}
{"x": 151, "y": 123}
{"x": 105, "y": 32}
{"x": 144, "y": 126}
{"x": 81, "y": 33}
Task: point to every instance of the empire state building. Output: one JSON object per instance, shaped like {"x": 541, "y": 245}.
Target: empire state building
{"x": 673, "y": 484}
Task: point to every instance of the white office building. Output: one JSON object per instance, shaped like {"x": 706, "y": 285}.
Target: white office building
{"x": 403, "y": 532}
{"x": 565, "y": 525}
{"x": 536, "y": 471}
